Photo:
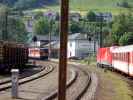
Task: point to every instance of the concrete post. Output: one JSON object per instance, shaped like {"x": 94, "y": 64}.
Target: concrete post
{"x": 15, "y": 75}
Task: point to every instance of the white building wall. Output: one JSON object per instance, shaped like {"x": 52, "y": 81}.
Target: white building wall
{"x": 71, "y": 48}
{"x": 84, "y": 47}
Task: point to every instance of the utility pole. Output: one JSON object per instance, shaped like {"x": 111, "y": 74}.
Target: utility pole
{"x": 63, "y": 50}
{"x": 101, "y": 29}
{"x": 5, "y": 24}
{"x": 50, "y": 15}
{"x": 50, "y": 31}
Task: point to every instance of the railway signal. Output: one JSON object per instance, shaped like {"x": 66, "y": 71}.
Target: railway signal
{"x": 63, "y": 50}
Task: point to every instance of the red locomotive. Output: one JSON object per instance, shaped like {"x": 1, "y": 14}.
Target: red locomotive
{"x": 120, "y": 58}
{"x": 38, "y": 53}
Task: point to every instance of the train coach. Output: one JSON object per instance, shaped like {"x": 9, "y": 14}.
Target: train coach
{"x": 12, "y": 55}
{"x": 38, "y": 53}
{"x": 104, "y": 57}
{"x": 119, "y": 58}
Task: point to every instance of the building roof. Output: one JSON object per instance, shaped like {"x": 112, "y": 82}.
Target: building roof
{"x": 77, "y": 36}
{"x": 46, "y": 37}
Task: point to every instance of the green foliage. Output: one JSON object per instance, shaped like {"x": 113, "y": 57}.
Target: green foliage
{"x": 24, "y": 4}
{"x": 55, "y": 28}
{"x": 75, "y": 27}
{"x": 91, "y": 16}
{"x": 41, "y": 26}
{"x": 126, "y": 39}
{"x": 17, "y": 31}
{"x": 124, "y": 4}
{"x": 122, "y": 24}
{"x": 11, "y": 27}
{"x": 38, "y": 15}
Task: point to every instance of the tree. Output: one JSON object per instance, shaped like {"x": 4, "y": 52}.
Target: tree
{"x": 38, "y": 15}
{"x": 11, "y": 28}
{"x": 91, "y": 16}
{"x": 41, "y": 26}
{"x": 4, "y": 10}
{"x": 17, "y": 31}
{"x": 124, "y": 4}
{"x": 55, "y": 28}
{"x": 126, "y": 39}
{"x": 75, "y": 27}
{"x": 25, "y": 4}
{"x": 122, "y": 24}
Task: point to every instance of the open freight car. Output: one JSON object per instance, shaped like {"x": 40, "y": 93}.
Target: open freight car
{"x": 12, "y": 55}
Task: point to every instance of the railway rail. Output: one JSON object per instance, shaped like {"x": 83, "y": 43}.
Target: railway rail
{"x": 24, "y": 73}
{"x": 45, "y": 88}
{"x": 44, "y": 70}
{"x": 83, "y": 87}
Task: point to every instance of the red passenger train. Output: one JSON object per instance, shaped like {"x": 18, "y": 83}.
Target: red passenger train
{"x": 120, "y": 58}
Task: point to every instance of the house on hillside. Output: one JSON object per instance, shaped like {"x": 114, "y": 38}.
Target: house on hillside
{"x": 43, "y": 40}
{"x": 78, "y": 46}
{"x": 107, "y": 16}
{"x": 75, "y": 16}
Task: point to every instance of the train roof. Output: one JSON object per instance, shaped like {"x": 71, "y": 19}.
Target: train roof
{"x": 121, "y": 49}
{"x": 11, "y": 44}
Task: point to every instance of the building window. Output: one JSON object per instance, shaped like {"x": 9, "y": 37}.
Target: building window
{"x": 70, "y": 44}
{"x": 70, "y": 54}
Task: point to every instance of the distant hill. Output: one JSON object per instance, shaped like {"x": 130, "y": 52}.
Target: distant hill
{"x": 113, "y": 6}
{"x": 74, "y": 3}
{"x": 36, "y": 2}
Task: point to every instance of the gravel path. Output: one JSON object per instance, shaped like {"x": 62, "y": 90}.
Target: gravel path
{"x": 81, "y": 84}
{"x": 42, "y": 87}
{"x": 37, "y": 88}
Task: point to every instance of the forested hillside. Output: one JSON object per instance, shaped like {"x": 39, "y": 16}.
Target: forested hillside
{"x": 73, "y": 3}
{"x": 30, "y": 3}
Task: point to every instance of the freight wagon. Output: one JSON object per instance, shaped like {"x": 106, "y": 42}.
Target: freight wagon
{"x": 12, "y": 55}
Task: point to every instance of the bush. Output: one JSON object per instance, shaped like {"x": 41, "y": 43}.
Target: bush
{"x": 126, "y": 39}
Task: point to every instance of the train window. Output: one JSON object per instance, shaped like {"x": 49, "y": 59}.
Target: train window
{"x": 123, "y": 56}
{"x": 115, "y": 56}
{"x": 120, "y": 57}
{"x": 126, "y": 57}
{"x": 132, "y": 57}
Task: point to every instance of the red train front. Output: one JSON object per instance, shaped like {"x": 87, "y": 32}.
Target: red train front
{"x": 104, "y": 57}
{"x": 119, "y": 58}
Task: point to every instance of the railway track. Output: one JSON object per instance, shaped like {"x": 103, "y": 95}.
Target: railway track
{"x": 45, "y": 88}
{"x": 44, "y": 70}
{"x": 84, "y": 82}
{"x": 24, "y": 73}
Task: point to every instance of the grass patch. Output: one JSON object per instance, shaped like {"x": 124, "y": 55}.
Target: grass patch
{"x": 84, "y": 6}
{"x": 119, "y": 87}
{"x": 112, "y": 86}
